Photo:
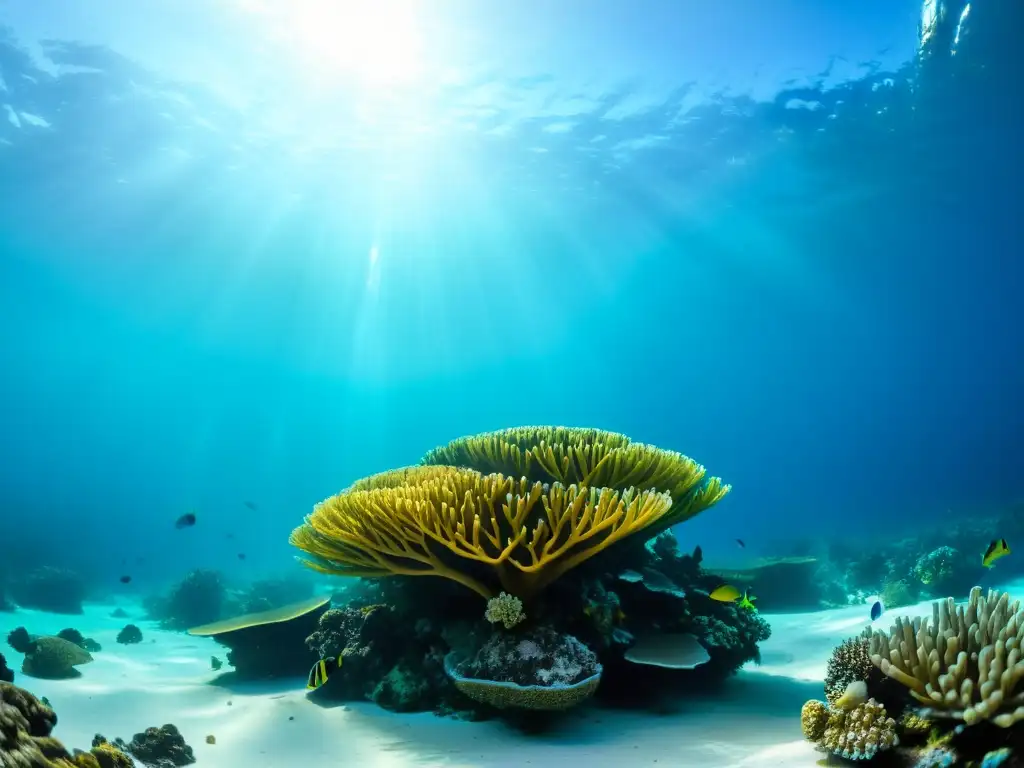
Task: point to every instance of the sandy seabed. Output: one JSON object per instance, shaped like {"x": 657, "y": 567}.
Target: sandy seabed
{"x": 753, "y": 721}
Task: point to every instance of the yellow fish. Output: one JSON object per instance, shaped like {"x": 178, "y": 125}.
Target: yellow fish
{"x": 996, "y": 549}
{"x": 321, "y": 671}
{"x": 748, "y": 602}
{"x": 726, "y": 593}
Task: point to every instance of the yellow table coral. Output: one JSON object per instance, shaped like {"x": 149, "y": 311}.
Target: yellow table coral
{"x": 565, "y": 495}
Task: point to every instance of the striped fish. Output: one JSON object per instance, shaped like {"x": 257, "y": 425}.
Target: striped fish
{"x": 322, "y": 670}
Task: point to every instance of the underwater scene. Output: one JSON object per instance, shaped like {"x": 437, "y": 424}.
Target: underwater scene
{"x": 464, "y": 384}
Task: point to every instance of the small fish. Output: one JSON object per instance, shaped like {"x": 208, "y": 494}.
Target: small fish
{"x": 740, "y": 542}
{"x": 747, "y": 602}
{"x": 876, "y": 609}
{"x": 126, "y": 579}
{"x": 211, "y": 739}
{"x": 321, "y": 671}
{"x": 185, "y": 521}
{"x": 997, "y": 549}
{"x": 241, "y": 555}
{"x": 251, "y": 505}
{"x": 726, "y": 593}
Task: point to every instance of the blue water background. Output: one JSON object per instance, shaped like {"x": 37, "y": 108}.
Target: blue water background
{"x": 777, "y": 239}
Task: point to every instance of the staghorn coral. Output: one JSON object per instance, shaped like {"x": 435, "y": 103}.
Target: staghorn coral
{"x": 505, "y": 609}
{"x": 590, "y": 457}
{"x": 965, "y": 663}
{"x": 859, "y": 733}
{"x": 527, "y": 534}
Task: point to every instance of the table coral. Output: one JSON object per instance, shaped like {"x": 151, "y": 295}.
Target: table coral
{"x": 529, "y": 503}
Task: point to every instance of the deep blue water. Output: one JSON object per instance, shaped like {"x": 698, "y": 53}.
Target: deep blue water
{"x": 787, "y": 245}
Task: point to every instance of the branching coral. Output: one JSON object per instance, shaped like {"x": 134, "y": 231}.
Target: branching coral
{"x": 965, "y": 663}
{"x": 444, "y": 521}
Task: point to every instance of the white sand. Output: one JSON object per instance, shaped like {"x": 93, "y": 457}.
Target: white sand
{"x": 753, "y": 721}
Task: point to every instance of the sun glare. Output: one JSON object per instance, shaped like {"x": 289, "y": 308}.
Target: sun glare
{"x": 376, "y": 43}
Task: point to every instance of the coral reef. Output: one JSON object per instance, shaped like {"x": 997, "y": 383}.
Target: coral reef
{"x": 945, "y": 570}
{"x": 56, "y": 590}
{"x": 105, "y": 755}
{"x": 898, "y": 593}
{"x": 965, "y": 663}
{"x": 853, "y": 728}
{"x": 255, "y": 640}
{"x": 85, "y": 643}
{"x": 25, "y": 741}
{"x": 20, "y": 640}
{"x": 129, "y": 635}
{"x": 859, "y": 733}
{"x": 6, "y": 673}
{"x": 850, "y": 662}
{"x": 564, "y": 532}
{"x": 54, "y": 658}
{"x": 448, "y": 518}
{"x": 198, "y": 599}
{"x": 540, "y": 669}
{"x": 162, "y": 747}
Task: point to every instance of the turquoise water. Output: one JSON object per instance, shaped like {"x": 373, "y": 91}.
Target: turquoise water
{"x": 251, "y": 252}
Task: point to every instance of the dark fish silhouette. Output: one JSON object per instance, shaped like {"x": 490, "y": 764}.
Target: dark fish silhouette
{"x": 251, "y": 505}
{"x": 185, "y": 521}
{"x": 876, "y": 610}
{"x": 740, "y": 542}
{"x": 241, "y": 555}
{"x": 126, "y": 579}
